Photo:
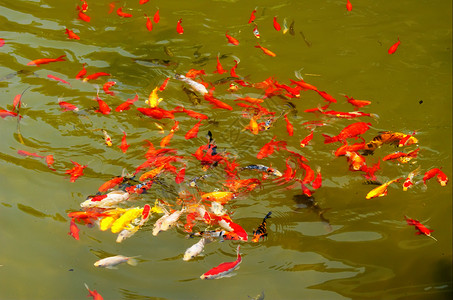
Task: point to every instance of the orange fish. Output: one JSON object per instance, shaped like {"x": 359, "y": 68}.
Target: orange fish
{"x": 348, "y": 5}
{"x": 231, "y": 39}
{"x": 252, "y": 16}
{"x": 233, "y": 69}
{"x": 73, "y": 230}
{"x": 179, "y": 28}
{"x": 326, "y": 96}
{"x": 68, "y": 106}
{"x": 164, "y": 84}
{"x": 394, "y": 47}
{"x": 50, "y": 161}
{"x": 270, "y": 147}
{"x": 149, "y": 23}
{"x": 110, "y": 184}
{"x": 289, "y": 126}
{"x": 122, "y": 14}
{"x": 95, "y": 76}
{"x": 317, "y": 183}
{"x": 108, "y": 85}
{"x": 193, "y": 132}
{"x": 357, "y": 103}
{"x": 84, "y": 7}
{"x": 151, "y": 174}
{"x": 276, "y": 25}
{"x": 143, "y": 1}
{"x": 219, "y": 68}
{"x": 81, "y": 72}
{"x": 180, "y": 176}
{"x": 76, "y": 171}
{"x": 111, "y": 7}
{"x": 126, "y": 104}
{"x": 94, "y": 294}
{"x": 43, "y": 61}
{"x": 420, "y": 227}
{"x": 57, "y": 79}
{"x": 83, "y": 16}
{"x": 156, "y": 17}
{"x": 71, "y": 34}
{"x": 26, "y": 153}
{"x": 124, "y": 146}
{"x": 349, "y": 131}
{"x": 266, "y": 51}
{"x": 103, "y": 107}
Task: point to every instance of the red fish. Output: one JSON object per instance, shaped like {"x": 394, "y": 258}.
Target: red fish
{"x": 2, "y": 42}
{"x": 420, "y": 227}
{"x": 156, "y": 17}
{"x": 17, "y": 102}
{"x": 408, "y": 183}
{"x": 111, "y": 7}
{"x": 124, "y": 146}
{"x": 231, "y": 39}
{"x": 309, "y": 173}
{"x": 219, "y": 68}
{"x": 266, "y": 51}
{"x": 110, "y": 184}
{"x": 68, "y": 106}
{"x": 349, "y": 148}
{"x": 270, "y": 147}
{"x": 180, "y": 176}
{"x": 94, "y": 294}
{"x": 95, "y": 76}
{"x": 164, "y": 84}
{"x": 149, "y": 23}
{"x": 394, "y": 47}
{"x": 289, "y": 126}
{"x": 326, "y": 96}
{"x": 191, "y": 113}
{"x": 357, "y": 103}
{"x": 405, "y": 141}
{"x": 81, "y": 72}
{"x": 348, "y": 5}
{"x": 349, "y": 131}
{"x": 156, "y": 112}
{"x": 256, "y": 33}
{"x": 303, "y": 85}
{"x": 252, "y": 16}
{"x": 233, "y": 69}
{"x": 84, "y": 7}
{"x": 356, "y": 161}
{"x": 50, "y": 161}
{"x": 73, "y": 230}
{"x": 43, "y": 61}
{"x": 442, "y": 178}
{"x": 276, "y": 25}
{"x": 193, "y": 132}
{"x": 143, "y": 1}
{"x": 223, "y": 269}
{"x": 83, "y": 16}
{"x": 103, "y": 107}
{"x": 179, "y": 28}
{"x": 401, "y": 156}
{"x": 122, "y": 14}
{"x": 216, "y": 102}
{"x": 57, "y": 79}
{"x": 306, "y": 140}
{"x": 71, "y": 34}
{"x": 76, "y": 171}
{"x": 7, "y": 113}
{"x": 126, "y": 104}
{"x": 370, "y": 171}
{"x": 26, "y": 153}
{"x": 108, "y": 85}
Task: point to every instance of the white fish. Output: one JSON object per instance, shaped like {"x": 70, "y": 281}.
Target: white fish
{"x": 217, "y": 208}
{"x": 195, "y": 85}
{"x": 194, "y": 250}
{"x": 127, "y": 233}
{"x": 112, "y": 199}
{"x": 112, "y": 261}
{"x": 171, "y": 219}
{"x": 158, "y": 224}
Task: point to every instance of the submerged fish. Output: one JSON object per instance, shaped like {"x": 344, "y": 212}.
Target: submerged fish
{"x": 112, "y": 261}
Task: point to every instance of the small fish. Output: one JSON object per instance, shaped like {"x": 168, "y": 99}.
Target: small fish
{"x": 291, "y": 29}
{"x": 409, "y": 180}
{"x": 67, "y": 106}
{"x": 393, "y": 48}
{"x": 95, "y": 76}
{"x": 420, "y": 227}
{"x": 43, "y": 61}
{"x": 256, "y": 33}
{"x": 112, "y": 261}
{"x": 179, "y": 28}
{"x": 94, "y": 294}
{"x": 262, "y": 168}
{"x": 289, "y": 126}
{"x": 124, "y": 146}
{"x": 276, "y": 25}
{"x": 156, "y": 17}
{"x": 124, "y": 221}
{"x": 194, "y": 250}
{"x": 261, "y": 231}
{"x": 107, "y": 86}
{"x": 107, "y": 138}
{"x": 195, "y": 85}
{"x": 231, "y": 39}
{"x": 306, "y": 140}
{"x": 82, "y": 72}
{"x": 126, "y": 104}
{"x": 71, "y": 34}
{"x": 82, "y": 16}
{"x": 73, "y": 230}
{"x": 122, "y": 14}
{"x": 223, "y": 269}
{"x": 219, "y": 68}
{"x": 381, "y": 190}
{"x": 149, "y": 23}
{"x": 285, "y": 26}
{"x": 348, "y": 5}
{"x": 193, "y": 132}
{"x": 266, "y": 51}
{"x": 111, "y": 199}
{"x": 76, "y": 171}
{"x": 349, "y": 131}
{"x": 252, "y": 16}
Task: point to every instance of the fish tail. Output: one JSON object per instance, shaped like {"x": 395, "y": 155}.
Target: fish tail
{"x": 60, "y": 58}
{"x": 432, "y": 237}
{"x": 329, "y": 139}
{"x": 267, "y": 216}
{"x": 132, "y": 261}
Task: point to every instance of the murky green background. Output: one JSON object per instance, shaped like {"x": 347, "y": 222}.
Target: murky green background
{"x": 369, "y": 254}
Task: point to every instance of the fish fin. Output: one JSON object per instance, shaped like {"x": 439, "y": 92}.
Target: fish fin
{"x": 132, "y": 261}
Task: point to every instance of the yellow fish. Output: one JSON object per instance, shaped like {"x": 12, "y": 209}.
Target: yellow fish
{"x": 382, "y": 189}
{"x": 107, "y": 222}
{"x": 153, "y": 99}
{"x": 125, "y": 220}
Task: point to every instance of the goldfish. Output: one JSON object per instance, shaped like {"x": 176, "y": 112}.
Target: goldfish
{"x": 94, "y": 294}
{"x": 107, "y": 138}
{"x": 95, "y": 76}
{"x": 57, "y": 79}
{"x": 81, "y": 73}
{"x": 156, "y": 17}
{"x": 219, "y": 68}
{"x": 43, "y": 61}
{"x": 327, "y": 97}
{"x": 270, "y": 147}
{"x": 179, "y": 28}
{"x": 317, "y": 182}
{"x": 193, "y": 132}
{"x": 71, "y": 34}
{"x": 349, "y": 131}
{"x": 420, "y": 227}
{"x": 408, "y": 139}
{"x": 401, "y": 156}
{"x": 110, "y": 184}
{"x": 124, "y": 146}
{"x": 153, "y": 173}
{"x": 26, "y": 153}
{"x": 153, "y": 99}
{"x": 348, "y": 5}
{"x": 164, "y": 84}
{"x": 223, "y": 269}
{"x": 86, "y": 216}
{"x": 442, "y": 178}
{"x": 252, "y": 16}
{"x": 111, "y": 7}
{"x": 306, "y": 140}
{"x": 149, "y": 23}
{"x": 220, "y": 197}
{"x": 349, "y": 148}
{"x": 356, "y": 161}
{"x": 50, "y": 161}
{"x": 76, "y": 171}
{"x": 68, "y": 106}
{"x": 357, "y": 103}
{"x": 2, "y": 42}
{"x": 256, "y": 33}
{"x": 143, "y": 1}
{"x": 194, "y": 250}
{"x": 113, "y": 198}
{"x": 125, "y": 219}
{"x": 103, "y": 106}
{"x": 126, "y": 104}
{"x": 231, "y": 39}
{"x": 276, "y": 25}
{"x": 122, "y": 14}
{"x": 112, "y": 261}
{"x": 266, "y": 51}
{"x": 74, "y": 230}
{"x": 82, "y": 16}
{"x": 261, "y": 231}
{"x": 393, "y": 48}
{"x": 289, "y": 126}
{"x": 409, "y": 180}
{"x": 381, "y": 190}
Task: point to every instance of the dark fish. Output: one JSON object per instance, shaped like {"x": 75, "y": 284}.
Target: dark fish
{"x": 303, "y": 201}
{"x": 168, "y": 51}
{"x": 261, "y": 231}
{"x": 193, "y": 97}
{"x": 291, "y": 28}
{"x": 305, "y": 40}
{"x": 20, "y": 72}
{"x": 372, "y": 182}
{"x": 258, "y": 297}
{"x": 155, "y": 62}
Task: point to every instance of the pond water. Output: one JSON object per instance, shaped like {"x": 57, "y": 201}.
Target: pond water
{"x": 336, "y": 245}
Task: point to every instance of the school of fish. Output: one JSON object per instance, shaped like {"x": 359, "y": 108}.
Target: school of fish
{"x": 130, "y": 202}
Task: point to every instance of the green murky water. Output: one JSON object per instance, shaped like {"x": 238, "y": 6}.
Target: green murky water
{"x": 368, "y": 253}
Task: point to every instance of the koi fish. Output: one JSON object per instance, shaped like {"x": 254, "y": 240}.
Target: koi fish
{"x": 220, "y": 197}
{"x": 149, "y": 23}
{"x": 111, "y": 199}
{"x": 261, "y": 231}
{"x": 125, "y": 219}
{"x": 356, "y": 161}
{"x": 127, "y": 233}
{"x": 82, "y": 16}
{"x": 179, "y": 28}
{"x": 71, "y": 34}
{"x": 122, "y": 14}
{"x": 262, "y": 168}
{"x": 393, "y": 48}
{"x": 420, "y": 227}
{"x": 348, "y": 5}
{"x": 387, "y": 137}
{"x": 401, "y": 156}
{"x": 442, "y": 178}
{"x": 94, "y": 294}
{"x": 223, "y": 269}
{"x": 266, "y": 51}
{"x": 409, "y": 180}
{"x": 276, "y": 25}
{"x": 381, "y": 190}
{"x": 195, "y": 85}
{"x": 112, "y": 261}
{"x": 231, "y": 39}
{"x": 256, "y": 33}
{"x": 126, "y": 104}
{"x": 107, "y": 138}
{"x": 110, "y": 184}
{"x": 153, "y": 99}
{"x": 170, "y": 220}
{"x": 194, "y": 250}
{"x": 349, "y": 131}
{"x": 43, "y": 61}
{"x": 112, "y": 216}
{"x": 76, "y": 171}
{"x": 73, "y": 230}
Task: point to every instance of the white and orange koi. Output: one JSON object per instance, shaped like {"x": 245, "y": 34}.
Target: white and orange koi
{"x": 224, "y": 268}
{"x": 408, "y": 183}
